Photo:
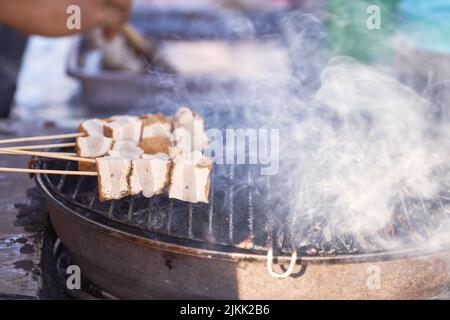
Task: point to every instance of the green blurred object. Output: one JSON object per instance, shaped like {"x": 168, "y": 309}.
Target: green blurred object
{"x": 426, "y": 24}
{"x": 346, "y": 22}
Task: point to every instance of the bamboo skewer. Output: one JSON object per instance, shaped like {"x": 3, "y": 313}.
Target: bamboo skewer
{"x": 70, "y": 154}
{"x": 138, "y": 42}
{"x": 20, "y": 150}
{"x": 73, "y": 173}
{"x": 144, "y": 46}
{"x": 42, "y": 138}
{"x": 55, "y": 155}
{"x": 42, "y": 146}
{"x": 46, "y": 153}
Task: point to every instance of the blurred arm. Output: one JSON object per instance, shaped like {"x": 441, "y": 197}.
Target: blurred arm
{"x": 49, "y": 17}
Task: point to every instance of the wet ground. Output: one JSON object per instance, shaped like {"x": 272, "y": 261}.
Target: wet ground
{"x": 45, "y": 104}
{"x": 23, "y": 219}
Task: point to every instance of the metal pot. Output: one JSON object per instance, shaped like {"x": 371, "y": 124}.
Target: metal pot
{"x": 132, "y": 264}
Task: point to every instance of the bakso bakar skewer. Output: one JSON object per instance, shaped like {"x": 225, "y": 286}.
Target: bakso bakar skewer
{"x": 126, "y": 150}
{"x": 93, "y": 146}
{"x": 133, "y": 155}
{"x": 121, "y": 128}
{"x": 150, "y": 175}
{"x": 156, "y": 134}
{"x": 188, "y": 124}
{"x": 154, "y": 145}
{"x": 190, "y": 177}
{"x": 156, "y": 125}
{"x": 92, "y": 127}
{"x": 113, "y": 178}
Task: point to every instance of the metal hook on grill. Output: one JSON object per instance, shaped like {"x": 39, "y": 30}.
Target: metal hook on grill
{"x": 288, "y": 272}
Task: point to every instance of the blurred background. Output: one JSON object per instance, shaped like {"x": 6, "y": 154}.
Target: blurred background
{"x": 226, "y": 43}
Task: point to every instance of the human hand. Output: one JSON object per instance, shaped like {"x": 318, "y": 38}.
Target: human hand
{"x": 49, "y": 17}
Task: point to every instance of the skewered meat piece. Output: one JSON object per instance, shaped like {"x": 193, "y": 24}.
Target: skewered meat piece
{"x": 92, "y": 127}
{"x": 93, "y": 146}
{"x": 123, "y": 118}
{"x": 126, "y": 150}
{"x": 156, "y": 125}
{"x": 155, "y": 145}
{"x": 123, "y": 128}
{"x": 150, "y": 175}
{"x": 182, "y": 139}
{"x": 86, "y": 166}
{"x": 190, "y": 177}
{"x": 188, "y": 124}
{"x": 156, "y": 133}
{"x": 113, "y": 178}
{"x": 174, "y": 152}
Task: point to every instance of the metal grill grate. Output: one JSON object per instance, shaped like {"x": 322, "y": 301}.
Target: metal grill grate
{"x": 236, "y": 215}
{"x": 244, "y": 214}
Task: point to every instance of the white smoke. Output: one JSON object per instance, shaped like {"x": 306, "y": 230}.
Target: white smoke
{"x": 357, "y": 145}
{"x": 363, "y": 141}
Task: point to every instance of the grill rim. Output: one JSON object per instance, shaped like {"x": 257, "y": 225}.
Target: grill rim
{"x": 137, "y": 236}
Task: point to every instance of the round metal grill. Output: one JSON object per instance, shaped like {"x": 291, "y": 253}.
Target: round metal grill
{"x": 243, "y": 214}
